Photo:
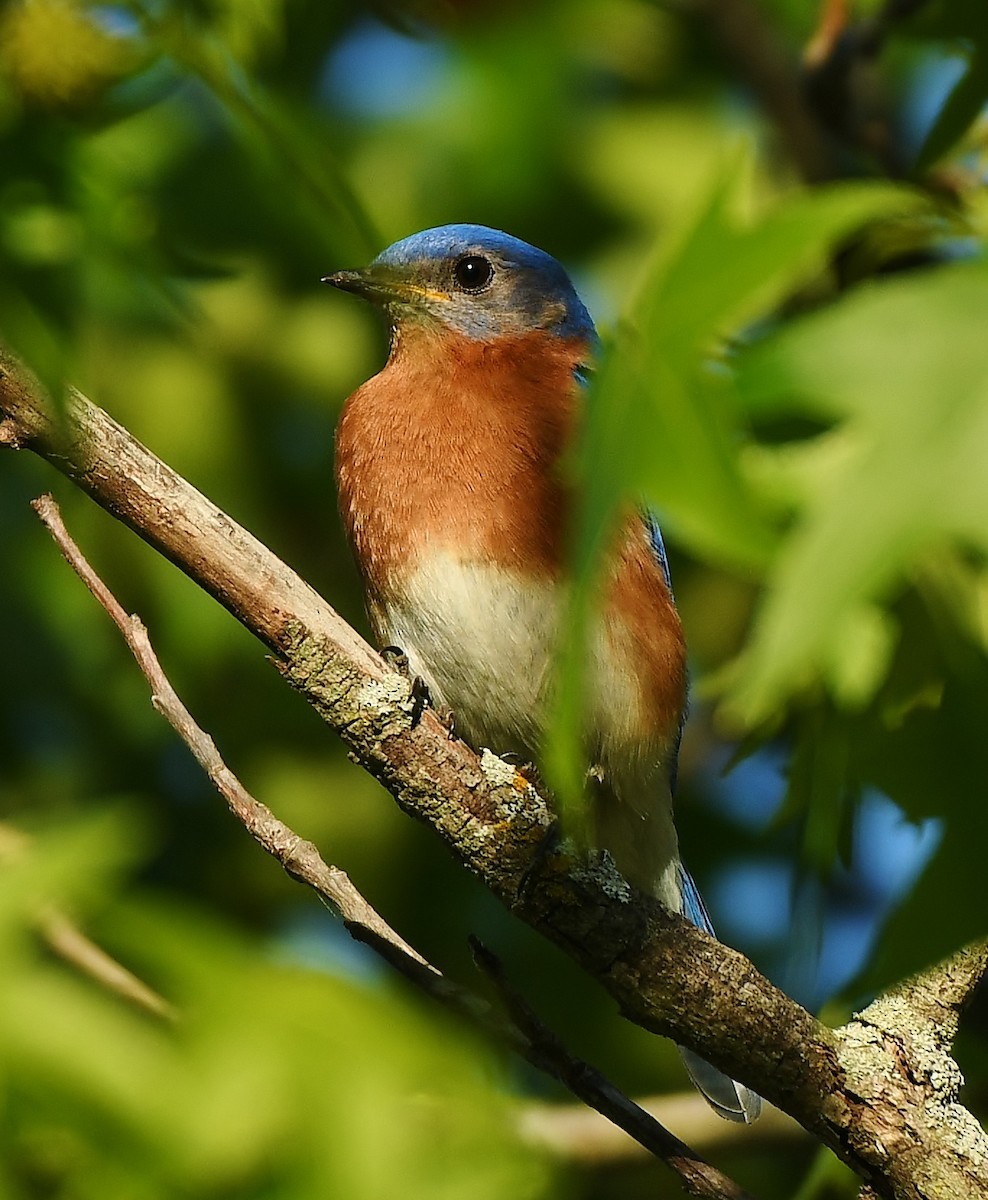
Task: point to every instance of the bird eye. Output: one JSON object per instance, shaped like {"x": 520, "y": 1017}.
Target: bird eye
{"x": 473, "y": 272}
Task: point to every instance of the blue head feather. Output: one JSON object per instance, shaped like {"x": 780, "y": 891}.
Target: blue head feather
{"x": 528, "y": 288}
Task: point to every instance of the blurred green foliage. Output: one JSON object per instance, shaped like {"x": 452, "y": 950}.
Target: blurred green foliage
{"x": 794, "y": 378}
{"x": 275, "y": 1082}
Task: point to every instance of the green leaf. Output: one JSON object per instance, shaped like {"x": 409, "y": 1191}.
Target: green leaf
{"x": 905, "y": 364}
{"x": 663, "y": 424}
{"x": 274, "y": 1081}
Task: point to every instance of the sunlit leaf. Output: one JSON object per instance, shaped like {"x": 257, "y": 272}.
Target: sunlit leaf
{"x": 664, "y": 427}
{"x": 905, "y": 365}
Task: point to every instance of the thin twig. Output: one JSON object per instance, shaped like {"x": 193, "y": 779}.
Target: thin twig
{"x": 828, "y": 103}
{"x": 841, "y": 83}
{"x": 299, "y": 857}
{"x": 303, "y": 862}
{"x": 64, "y": 938}
{"x": 594, "y": 1089}
{"x": 68, "y": 941}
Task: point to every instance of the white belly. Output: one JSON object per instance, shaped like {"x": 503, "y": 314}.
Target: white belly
{"x": 486, "y": 643}
{"x": 483, "y": 641}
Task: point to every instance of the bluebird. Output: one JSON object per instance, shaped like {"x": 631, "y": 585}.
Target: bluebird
{"x": 451, "y": 493}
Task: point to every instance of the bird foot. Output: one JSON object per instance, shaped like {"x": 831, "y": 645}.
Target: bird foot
{"x": 547, "y": 846}
{"x": 397, "y": 660}
{"x": 526, "y": 769}
{"x": 418, "y": 689}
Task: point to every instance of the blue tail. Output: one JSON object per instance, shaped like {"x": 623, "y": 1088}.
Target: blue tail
{"x": 727, "y": 1098}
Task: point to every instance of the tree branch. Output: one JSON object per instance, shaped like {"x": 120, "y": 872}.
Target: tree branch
{"x": 828, "y": 110}
{"x": 664, "y": 974}
{"x": 934, "y": 999}
{"x": 528, "y": 1037}
{"x": 771, "y": 70}
{"x": 902, "y": 1083}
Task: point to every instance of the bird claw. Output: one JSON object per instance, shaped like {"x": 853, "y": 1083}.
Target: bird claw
{"x": 525, "y": 768}
{"x": 420, "y": 697}
{"x": 548, "y": 845}
{"x": 397, "y": 660}
{"x": 418, "y": 689}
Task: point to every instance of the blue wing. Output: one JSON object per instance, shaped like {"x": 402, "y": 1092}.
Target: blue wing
{"x": 658, "y": 546}
{"x": 693, "y": 907}
{"x": 659, "y": 550}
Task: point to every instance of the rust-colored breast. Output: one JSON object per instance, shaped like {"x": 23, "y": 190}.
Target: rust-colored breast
{"x": 453, "y": 449}
{"x": 645, "y": 626}
{"x": 455, "y": 446}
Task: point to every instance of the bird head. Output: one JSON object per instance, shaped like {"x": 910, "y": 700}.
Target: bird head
{"x": 476, "y": 281}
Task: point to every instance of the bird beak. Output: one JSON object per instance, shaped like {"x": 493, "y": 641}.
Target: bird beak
{"x": 380, "y": 286}
{"x": 347, "y": 281}
{"x": 361, "y": 283}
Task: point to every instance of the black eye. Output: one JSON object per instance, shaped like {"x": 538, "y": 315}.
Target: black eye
{"x": 473, "y": 272}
